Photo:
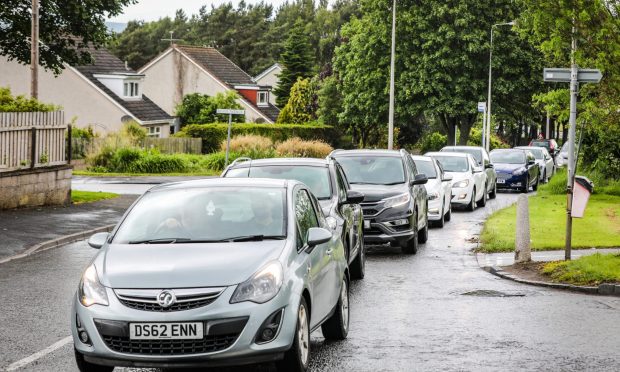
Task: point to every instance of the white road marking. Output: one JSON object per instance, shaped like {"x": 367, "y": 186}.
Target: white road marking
{"x": 40, "y": 354}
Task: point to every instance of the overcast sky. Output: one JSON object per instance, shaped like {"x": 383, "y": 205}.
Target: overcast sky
{"x": 150, "y": 10}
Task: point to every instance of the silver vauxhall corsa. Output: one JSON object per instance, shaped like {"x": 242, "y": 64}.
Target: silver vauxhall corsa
{"x": 212, "y": 273}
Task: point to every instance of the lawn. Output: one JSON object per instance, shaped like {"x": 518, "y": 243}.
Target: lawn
{"x": 600, "y": 226}
{"x": 79, "y": 197}
{"x": 587, "y": 270}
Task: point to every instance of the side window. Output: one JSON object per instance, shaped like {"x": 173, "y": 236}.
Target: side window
{"x": 342, "y": 184}
{"x": 304, "y": 216}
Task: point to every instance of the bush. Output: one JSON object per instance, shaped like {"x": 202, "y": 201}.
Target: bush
{"x": 217, "y": 160}
{"x": 475, "y": 139}
{"x": 154, "y": 162}
{"x": 21, "y": 103}
{"x": 296, "y": 147}
{"x": 602, "y": 184}
{"x": 432, "y": 142}
{"x": 248, "y": 143}
{"x": 213, "y": 134}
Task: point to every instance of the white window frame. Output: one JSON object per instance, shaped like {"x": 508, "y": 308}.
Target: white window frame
{"x": 131, "y": 89}
{"x": 153, "y": 132}
{"x": 264, "y": 102}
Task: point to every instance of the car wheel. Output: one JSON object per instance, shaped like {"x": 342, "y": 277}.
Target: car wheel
{"x": 449, "y": 214}
{"x": 472, "y": 203}
{"x": 526, "y": 186}
{"x": 423, "y": 234}
{"x": 297, "y": 357}
{"x": 535, "y": 186}
{"x": 358, "y": 266}
{"x": 442, "y": 217}
{"x": 337, "y": 326}
{"x": 411, "y": 246}
{"x": 483, "y": 201}
{"x": 85, "y": 366}
{"x": 493, "y": 193}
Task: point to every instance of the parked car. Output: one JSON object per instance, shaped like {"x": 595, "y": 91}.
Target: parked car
{"x": 395, "y": 204}
{"x": 562, "y": 159}
{"x": 468, "y": 179}
{"x": 438, "y": 189}
{"x": 516, "y": 169}
{"x": 550, "y": 144}
{"x": 212, "y": 273}
{"x": 327, "y": 182}
{"x": 482, "y": 158}
{"x": 544, "y": 161}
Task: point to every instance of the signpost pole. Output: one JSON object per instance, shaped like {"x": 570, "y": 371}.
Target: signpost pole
{"x": 228, "y": 139}
{"x": 574, "y": 90}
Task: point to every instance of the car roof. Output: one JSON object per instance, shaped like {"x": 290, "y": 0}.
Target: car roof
{"x": 368, "y": 152}
{"x": 455, "y": 154}
{"x": 512, "y": 149}
{"x": 314, "y": 162}
{"x": 421, "y": 157}
{"x": 226, "y": 182}
{"x": 537, "y": 148}
{"x": 463, "y": 147}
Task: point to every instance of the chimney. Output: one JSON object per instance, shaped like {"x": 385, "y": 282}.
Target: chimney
{"x": 126, "y": 66}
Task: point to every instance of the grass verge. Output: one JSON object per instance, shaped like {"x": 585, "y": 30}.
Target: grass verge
{"x": 587, "y": 270}
{"x": 79, "y": 197}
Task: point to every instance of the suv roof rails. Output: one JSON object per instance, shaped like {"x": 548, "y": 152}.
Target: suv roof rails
{"x": 239, "y": 160}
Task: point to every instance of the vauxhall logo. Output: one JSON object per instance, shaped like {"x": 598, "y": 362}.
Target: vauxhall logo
{"x": 166, "y": 298}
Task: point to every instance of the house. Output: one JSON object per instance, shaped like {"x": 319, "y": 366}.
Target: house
{"x": 103, "y": 95}
{"x": 183, "y": 69}
{"x": 270, "y": 77}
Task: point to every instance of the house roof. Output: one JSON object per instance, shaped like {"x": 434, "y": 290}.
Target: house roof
{"x": 105, "y": 62}
{"x": 217, "y": 64}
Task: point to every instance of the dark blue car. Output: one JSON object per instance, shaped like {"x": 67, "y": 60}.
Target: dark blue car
{"x": 516, "y": 169}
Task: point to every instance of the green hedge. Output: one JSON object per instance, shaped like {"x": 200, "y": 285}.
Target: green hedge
{"x": 213, "y": 134}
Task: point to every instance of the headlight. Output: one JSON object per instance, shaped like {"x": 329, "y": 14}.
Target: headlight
{"x": 433, "y": 195}
{"x": 262, "y": 286}
{"x": 518, "y": 172}
{"x": 463, "y": 183}
{"x": 90, "y": 290}
{"x": 396, "y": 200}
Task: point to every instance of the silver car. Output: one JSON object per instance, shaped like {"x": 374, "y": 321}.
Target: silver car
{"x": 544, "y": 161}
{"x": 212, "y": 273}
{"x": 438, "y": 189}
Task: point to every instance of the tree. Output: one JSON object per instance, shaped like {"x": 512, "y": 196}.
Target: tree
{"x": 66, "y": 29}
{"x": 300, "y": 107}
{"x": 329, "y": 101}
{"x": 296, "y": 62}
{"x": 10, "y": 103}
{"x": 199, "y": 108}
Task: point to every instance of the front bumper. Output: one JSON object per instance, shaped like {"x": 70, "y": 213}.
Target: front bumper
{"x": 435, "y": 209}
{"x": 511, "y": 181}
{"x": 379, "y": 228}
{"x": 462, "y": 195}
{"x": 230, "y": 328}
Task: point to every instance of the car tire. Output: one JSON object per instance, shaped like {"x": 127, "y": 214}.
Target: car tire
{"x": 297, "y": 358}
{"x": 337, "y": 326}
{"x": 535, "y": 186}
{"x": 448, "y": 216}
{"x": 411, "y": 245}
{"x": 358, "y": 266}
{"x": 85, "y": 366}
{"x": 526, "y": 186}
{"x": 493, "y": 193}
{"x": 472, "y": 203}
{"x": 423, "y": 234}
{"x": 483, "y": 201}
{"x": 442, "y": 218}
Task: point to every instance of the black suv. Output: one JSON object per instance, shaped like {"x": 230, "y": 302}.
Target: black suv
{"x": 395, "y": 203}
{"x": 326, "y": 180}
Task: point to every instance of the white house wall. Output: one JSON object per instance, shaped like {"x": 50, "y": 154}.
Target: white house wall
{"x": 160, "y": 83}
{"x": 77, "y": 96}
{"x": 271, "y": 79}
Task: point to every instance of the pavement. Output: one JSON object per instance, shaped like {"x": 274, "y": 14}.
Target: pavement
{"x": 434, "y": 311}
{"x": 125, "y": 185}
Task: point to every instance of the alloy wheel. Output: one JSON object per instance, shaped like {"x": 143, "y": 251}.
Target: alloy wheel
{"x": 303, "y": 335}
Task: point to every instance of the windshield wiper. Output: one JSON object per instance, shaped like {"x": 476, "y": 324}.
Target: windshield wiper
{"x": 251, "y": 238}
{"x": 160, "y": 241}
{"x": 393, "y": 183}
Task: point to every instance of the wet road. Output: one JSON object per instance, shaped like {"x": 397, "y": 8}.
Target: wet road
{"x": 427, "y": 312}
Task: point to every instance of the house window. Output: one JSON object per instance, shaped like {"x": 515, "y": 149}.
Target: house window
{"x": 153, "y": 131}
{"x": 131, "y": 89}
{"x": 262, "y": 98}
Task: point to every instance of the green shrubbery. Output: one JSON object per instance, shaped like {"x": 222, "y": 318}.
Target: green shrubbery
{"x": 602, "y": 184}
{"x": 213, "y": 134}
{"x": 21, "y": 103}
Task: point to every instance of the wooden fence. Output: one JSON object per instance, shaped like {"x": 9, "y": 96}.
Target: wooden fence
{"x": 31, "y": 139}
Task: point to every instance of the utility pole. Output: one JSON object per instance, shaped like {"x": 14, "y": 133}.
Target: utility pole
{"x": 572, "y": 122}
{"x": 392, "y": 58}
{"x": 34, "y": 51}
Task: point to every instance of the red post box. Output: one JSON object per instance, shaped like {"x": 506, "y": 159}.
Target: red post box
{"x": 582, "y": 190}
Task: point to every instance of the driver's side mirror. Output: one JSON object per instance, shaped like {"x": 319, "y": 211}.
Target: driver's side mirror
{"x": 488, "y": 166}
{"x": 318, "y": 235}
{"x": 530, "y": 161}
{"x": 447, "y": 177}
{"x": 354, "y": 197}
{"x": 419, "y": 179}
{"x": 98, "y": 240}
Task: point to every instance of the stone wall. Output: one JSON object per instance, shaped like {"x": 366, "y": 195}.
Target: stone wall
{"x": 36, "y": 187}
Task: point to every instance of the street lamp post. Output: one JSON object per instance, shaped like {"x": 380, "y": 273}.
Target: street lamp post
{"x": 488, "y": 123}
{"x": 392, "y": 57}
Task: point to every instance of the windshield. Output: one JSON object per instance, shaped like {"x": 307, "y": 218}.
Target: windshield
{"x": 374, "y": 170}
{"x": 453, "y": 163}
{"x": 508, "y": 157}
{"x": 426, "y": 167}
{"x": 316, "y": 178}
{"x": 205, "y": 214}
{"x": 537, "y": 152}
{"x": 540, "y": 143}
{"x": 477, "y": 154}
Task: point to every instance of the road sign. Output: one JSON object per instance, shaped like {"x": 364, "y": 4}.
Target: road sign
{"x": 482, "y": 106}
{"x": 230, "y": 112}
{"x": 562, "y": 75}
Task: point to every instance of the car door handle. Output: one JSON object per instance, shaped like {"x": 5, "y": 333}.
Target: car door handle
{"x": 329, "y": 251}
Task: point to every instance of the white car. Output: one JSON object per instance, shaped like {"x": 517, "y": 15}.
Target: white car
{"x": 438, "y": 189}
{"x": 544, "y": 161}
{"x": 468, "y": 179}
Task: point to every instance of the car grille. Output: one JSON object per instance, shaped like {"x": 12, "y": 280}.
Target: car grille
{"x": 370, "y": 211}
{"x": 170, "y": 347}
{"x": 186, "y": 299}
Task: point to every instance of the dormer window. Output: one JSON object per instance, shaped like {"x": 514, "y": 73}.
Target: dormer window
{"x": 262, "y": 98}
{"x": 131, "y": 89}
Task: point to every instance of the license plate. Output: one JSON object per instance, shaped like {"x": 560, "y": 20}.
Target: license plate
{"x": 165, "y": 331}
{"x": 367, "y": 224}
{"x": 501, "y": 181}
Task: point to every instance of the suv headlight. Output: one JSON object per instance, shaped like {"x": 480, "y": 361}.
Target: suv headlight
{"x": 90, "y": 289}
{"x": 397, "y": 200}
{"x": 518, "y": 172}
{"x": 463, "y": 183}
{"x": 262, "y": 286}
{"x": 433, "y": 195}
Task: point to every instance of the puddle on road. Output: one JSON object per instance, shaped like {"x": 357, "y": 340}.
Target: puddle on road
{"x": 492, "y": 293}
